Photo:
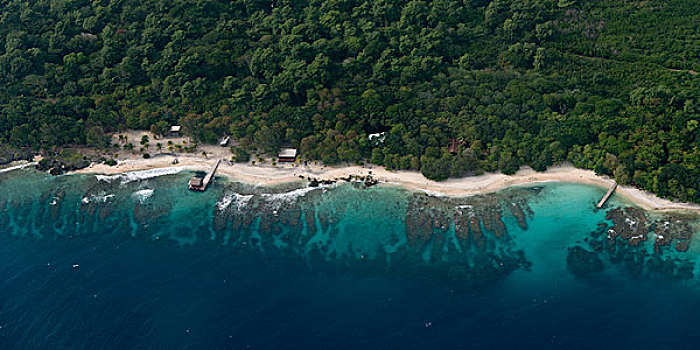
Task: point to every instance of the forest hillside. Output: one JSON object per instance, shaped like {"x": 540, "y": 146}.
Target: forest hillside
{"x": 608, "y": 85}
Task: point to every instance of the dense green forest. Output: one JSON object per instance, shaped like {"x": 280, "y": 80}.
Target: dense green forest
{"x": 608, "y": 85}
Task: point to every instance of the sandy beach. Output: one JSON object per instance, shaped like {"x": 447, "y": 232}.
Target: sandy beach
{"x": 268, "y": 175}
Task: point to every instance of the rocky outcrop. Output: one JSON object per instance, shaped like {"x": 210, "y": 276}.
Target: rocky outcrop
{"x": 10, "y": 154}
{"x": 57, "y": 166}
{"x": 625, "y": 244}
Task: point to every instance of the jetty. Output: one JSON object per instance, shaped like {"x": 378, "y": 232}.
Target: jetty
{"x": 607, "y": 195}
{"x": 199, "y": 184}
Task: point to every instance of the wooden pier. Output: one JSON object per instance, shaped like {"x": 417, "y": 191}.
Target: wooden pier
{"x": 199, "y": 184}
{"x": 607, "y": 196}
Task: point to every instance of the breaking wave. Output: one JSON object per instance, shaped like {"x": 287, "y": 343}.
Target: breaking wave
{"x": 238, "y": 200}
{"x": 143, "y": 195}
{"x": 17, "y": 167}
{"x": 433, "y": 193}
{"x": 140, "y": 175}
{"x": 293, "y": 195}
{"x": 277, "y": 199}
{"x": 100, "y": 198}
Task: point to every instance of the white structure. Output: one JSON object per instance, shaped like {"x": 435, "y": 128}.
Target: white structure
{"x": 175, "y": 129}
{"x": 378, "y": 137}
{"x": 287, "y": 155}
{"x": 224, "y": 141}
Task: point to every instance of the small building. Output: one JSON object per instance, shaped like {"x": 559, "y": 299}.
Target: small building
{"x": 453, "y": 147}
{"x": 197, "y": 183}
{"x": 88, "y": 36}
{"x": 378, "y": 138}
{"x": 200, "y": 184}
{"x": 287, "y": 155}
{"x": 224, "y": 141}
{"x": 175, "y": 130}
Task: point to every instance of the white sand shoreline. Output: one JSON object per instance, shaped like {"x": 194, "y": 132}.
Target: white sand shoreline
{"x": 266, "y": 175}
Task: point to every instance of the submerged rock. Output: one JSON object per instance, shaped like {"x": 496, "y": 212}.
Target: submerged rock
{"x": 582, "y": 262}
{"x": 519, "y": 214}
{"x": 629, "y": 226}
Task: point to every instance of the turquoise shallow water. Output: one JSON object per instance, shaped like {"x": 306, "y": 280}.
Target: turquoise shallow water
{"x": 138, "y": 261}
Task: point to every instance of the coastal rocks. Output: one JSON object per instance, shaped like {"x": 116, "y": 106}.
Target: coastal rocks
{"x": 626, "y": 244}
{"x": 146, "y": 212}
{"x": 370, "y": 228}
{"x": 365, "y": 181}
{"x": 310, "y": 217}
{"x": 419, "y": 227}
{"x": 492, "y": 219}
{"x": 629, "y": 225}
{"x": 55, "y": 204}
{"x": 56, "y": 166}
{"x": 672, "y": 231}
{"x": 679, "y": 269}
{"x": 475, "y": 230}
{"x": 10, "y": 154}
{"x": 477, "y": 221}
{"x": 487, "y": 268}
{"x": 465, "y": 221}
{"x": 517, "y": 210}
{"x": 582, "y": 262}
{"x": 261, "y": 219}
{"x": 465, "y": 236}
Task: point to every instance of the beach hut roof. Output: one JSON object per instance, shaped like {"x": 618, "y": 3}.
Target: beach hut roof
{"x": 175, "y": 128}
{"x": 288, "y": 153}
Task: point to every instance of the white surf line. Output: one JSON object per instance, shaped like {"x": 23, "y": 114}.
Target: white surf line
{"x": 17, "y": 167}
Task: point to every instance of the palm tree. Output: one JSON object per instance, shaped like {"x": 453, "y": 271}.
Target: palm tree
{"x": 159, "y": 146}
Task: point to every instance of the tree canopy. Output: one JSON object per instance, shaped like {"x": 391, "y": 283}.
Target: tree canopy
{"x": 610, "y": 86}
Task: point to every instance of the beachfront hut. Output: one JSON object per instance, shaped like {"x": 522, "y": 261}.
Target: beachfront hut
{"x": 288, "y": 155}
{"x": 196, "y": 183}
{"x": 175, "y": 130}
{"x": 224, "y": 141}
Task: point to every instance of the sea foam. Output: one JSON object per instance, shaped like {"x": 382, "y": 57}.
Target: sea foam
{"x": 433, "y": 193}
{"x": 291, "y": 196}
{"x": 143, "y": 195}
{"x": 17, "y": 167}
{"x": 238, "y": 200}
{"x": 100, "y": 198}
{"x": 140, "y": 175}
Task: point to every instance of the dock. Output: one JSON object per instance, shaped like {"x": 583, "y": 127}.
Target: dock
{"x": 199, "y": 184}
{"x": 607, "y": 196}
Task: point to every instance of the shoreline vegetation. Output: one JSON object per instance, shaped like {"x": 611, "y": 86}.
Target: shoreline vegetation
{"x": 450, "y": 88}
{"x": 268, "y": 175}
{"x": 264, "y": 172}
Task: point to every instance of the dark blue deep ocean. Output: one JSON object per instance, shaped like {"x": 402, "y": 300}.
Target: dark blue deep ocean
{"x": 106, "y": 290}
